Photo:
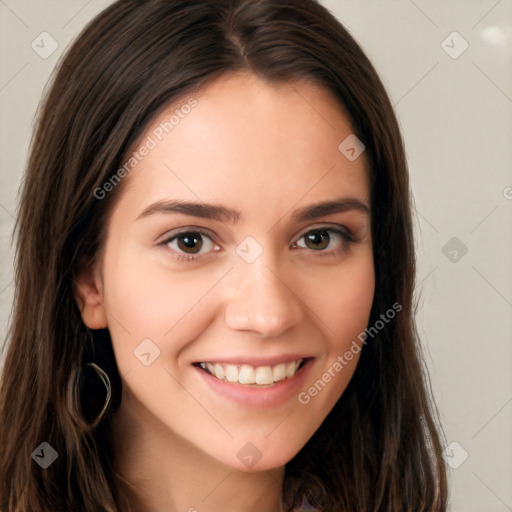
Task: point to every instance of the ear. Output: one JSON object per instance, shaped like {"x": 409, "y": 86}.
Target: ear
{"x": 89, "y": 295}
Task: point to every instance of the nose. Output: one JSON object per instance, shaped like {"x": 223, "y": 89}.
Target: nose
{"x": 261, "y": 301}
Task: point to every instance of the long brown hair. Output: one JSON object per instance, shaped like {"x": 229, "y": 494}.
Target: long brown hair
{"x": 379, "y": 449}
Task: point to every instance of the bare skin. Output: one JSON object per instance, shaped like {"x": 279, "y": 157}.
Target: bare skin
{"x": 266, "y": 151}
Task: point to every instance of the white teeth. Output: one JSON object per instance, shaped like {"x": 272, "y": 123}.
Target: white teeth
{"x": 279, "y": 372}
{"x": 218, "y": 371}
{"x": 264, "y": 375}
{"x": 250, "y": 375}
{"x": 231, "y": 373}
{"x": 291, "y": 368}
{"x": 247, "y": 375}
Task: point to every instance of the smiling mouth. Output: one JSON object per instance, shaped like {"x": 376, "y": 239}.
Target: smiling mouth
{"x": 249, "y": 375}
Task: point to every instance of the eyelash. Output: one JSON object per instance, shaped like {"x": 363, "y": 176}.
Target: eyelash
{"x": 347, "y": 240}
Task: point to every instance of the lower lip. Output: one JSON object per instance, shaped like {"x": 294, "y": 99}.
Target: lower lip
{"x": 262, "y": 397}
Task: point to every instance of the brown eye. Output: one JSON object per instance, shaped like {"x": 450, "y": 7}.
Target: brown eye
{"x": 317, "y": 240}
{"x": 326, "y": 241}
{"x": 190, "y": 243}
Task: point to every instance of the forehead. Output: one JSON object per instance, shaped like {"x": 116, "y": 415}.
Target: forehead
{"x": 244, "y": 141}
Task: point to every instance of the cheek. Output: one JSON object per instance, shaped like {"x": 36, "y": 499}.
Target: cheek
{"x": 350, "y": 319}
{"x": 350, "y": 307}
{"x": 146, "y": 301}
{"x": 344, "y": 302}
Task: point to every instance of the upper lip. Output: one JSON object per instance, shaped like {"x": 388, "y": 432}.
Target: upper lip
{"x": 255, "y": 361}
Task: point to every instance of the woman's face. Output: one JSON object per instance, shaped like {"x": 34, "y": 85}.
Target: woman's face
{"x": 239, "y": 246}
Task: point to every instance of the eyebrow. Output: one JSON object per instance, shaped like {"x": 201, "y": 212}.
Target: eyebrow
{"x": 225, "y": 214}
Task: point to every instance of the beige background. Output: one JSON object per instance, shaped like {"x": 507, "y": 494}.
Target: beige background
{"x": 456, "y": 118}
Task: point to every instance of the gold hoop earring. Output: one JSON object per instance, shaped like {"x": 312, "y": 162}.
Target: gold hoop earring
{"x": 82, "y": 400}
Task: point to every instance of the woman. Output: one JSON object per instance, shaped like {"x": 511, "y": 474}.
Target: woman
{"x": 215, "y": 270}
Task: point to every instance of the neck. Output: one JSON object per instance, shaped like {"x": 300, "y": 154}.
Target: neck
{"x": 165, "y": 472}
